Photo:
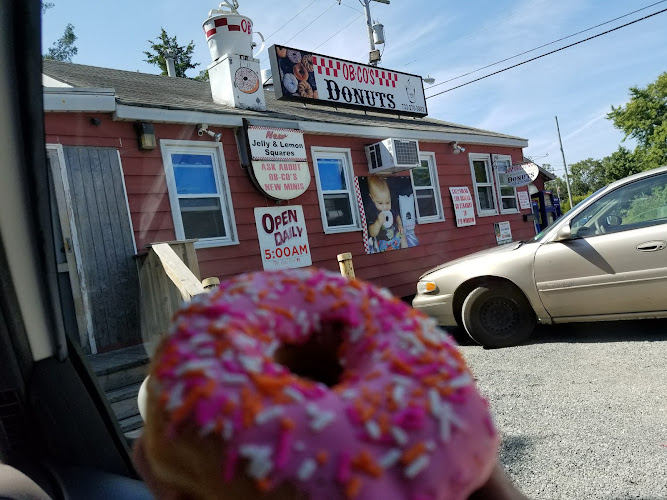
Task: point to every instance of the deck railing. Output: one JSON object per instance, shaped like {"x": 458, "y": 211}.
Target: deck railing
{"x": 169, "y": 276}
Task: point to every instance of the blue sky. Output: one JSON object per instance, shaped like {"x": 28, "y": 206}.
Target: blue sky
{"x": 443, "y": 39}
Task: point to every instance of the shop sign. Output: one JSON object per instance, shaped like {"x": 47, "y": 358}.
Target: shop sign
{"x": 521, "y": 174}
{"x": 279, "y": 162}
{"x": 524, "y": 200}
{"x": 314, "y": 78}
{"x": 283, "y": 239}
{"x": 503, "y": 232}
{"x": 463, "y": 206}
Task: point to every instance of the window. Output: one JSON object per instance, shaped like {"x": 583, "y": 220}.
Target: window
{"x": 333, "y": 174}
{"x": 199, "y": 193}
{"x": 507, "y": 194}
{"x": 480, "y": 168}
{"x": 427, "y": 190}
{"x": 635, "y": 205}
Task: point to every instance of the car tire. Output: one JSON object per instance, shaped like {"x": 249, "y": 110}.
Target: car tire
{"x": 497, "y": 316}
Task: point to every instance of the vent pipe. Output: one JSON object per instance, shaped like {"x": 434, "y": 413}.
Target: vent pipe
{"x": 169, "y": 59}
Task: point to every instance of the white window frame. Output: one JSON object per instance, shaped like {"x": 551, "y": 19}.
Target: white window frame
{"x": 507, "y": 158}
{"x": 321, "y": 152}
{"x": 489, "y": 174}
{"x": 168, "y": 147}
{"x": 435, "y": 187}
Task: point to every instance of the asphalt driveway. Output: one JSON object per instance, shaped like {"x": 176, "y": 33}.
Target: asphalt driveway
{"x": 582, "y": 409}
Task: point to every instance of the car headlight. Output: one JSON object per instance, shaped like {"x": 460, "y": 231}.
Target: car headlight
{"x": 426, "y": 287}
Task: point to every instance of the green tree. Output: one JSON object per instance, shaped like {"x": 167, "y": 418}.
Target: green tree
{"x": 587, "y": 176}
{"x": 182, "y": 54}
{"x": 202, "y": 76}
{"x": 622, "y": 163}
{"x": 63, "y": 49}
{"x": 644, "y": 118}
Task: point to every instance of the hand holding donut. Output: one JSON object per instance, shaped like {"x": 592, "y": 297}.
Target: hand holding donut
{"x": 302, "y": 384}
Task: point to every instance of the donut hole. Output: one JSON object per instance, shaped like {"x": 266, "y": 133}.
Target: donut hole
{"x": 316, "y": 358}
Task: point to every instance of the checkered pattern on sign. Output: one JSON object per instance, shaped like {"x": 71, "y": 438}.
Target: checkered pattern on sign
{"x": 211, "y": 27}
{"x": 326, "y": 66}
{"x": 362, "y": 214}
{"x": 386, "y": 78}
{"x": 331, "y": 67}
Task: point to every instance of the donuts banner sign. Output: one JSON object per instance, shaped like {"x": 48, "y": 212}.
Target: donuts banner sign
{"x": 283, "y": 239}
{"x": 306, "y": 76}
{"x": 279, "y": 162}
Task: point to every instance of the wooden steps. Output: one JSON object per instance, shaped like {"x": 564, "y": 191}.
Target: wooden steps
{"x": 120, "y": 373}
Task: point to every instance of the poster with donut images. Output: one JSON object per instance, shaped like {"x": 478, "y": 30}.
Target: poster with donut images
{"x": 309, "y": 77}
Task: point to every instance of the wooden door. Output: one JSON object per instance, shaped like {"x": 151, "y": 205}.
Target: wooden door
{"x": 102, "y": 244}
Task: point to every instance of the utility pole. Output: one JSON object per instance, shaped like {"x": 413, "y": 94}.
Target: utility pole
{"x": 374, "y": 55}
{"x": 567, "y": 179}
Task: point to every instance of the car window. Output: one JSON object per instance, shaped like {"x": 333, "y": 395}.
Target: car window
{"x": 638, "y": 204}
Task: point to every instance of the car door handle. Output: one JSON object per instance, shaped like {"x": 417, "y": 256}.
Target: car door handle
{"x": 651, "y": 246}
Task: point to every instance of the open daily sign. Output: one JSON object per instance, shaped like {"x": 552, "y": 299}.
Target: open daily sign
{"x": 282, "y": 235}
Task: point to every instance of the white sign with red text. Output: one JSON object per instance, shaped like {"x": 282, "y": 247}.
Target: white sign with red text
{"x": 463, "y": 206}
{"x": 282, "y": 235}
{"x": 524, "y": 200}
{"x": 279, "y": 162}
{"x": 305, "y": 76}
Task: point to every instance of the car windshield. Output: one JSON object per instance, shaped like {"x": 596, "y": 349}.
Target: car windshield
{"x": 189, "y": 144}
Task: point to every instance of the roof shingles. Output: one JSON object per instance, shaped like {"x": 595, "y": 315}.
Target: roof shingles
{"x": 158, "y": 91}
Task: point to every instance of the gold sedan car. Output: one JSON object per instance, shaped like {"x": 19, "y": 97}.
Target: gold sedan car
{"x": 604, "y": 260}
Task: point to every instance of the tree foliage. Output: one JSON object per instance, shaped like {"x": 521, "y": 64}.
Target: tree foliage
{"x": 644, "y": 118}
{"x": 63, "y": 49}
{"x": 182, "y": 54}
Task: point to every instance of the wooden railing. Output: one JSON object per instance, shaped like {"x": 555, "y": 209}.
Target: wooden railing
{"x": 168, "y": 275}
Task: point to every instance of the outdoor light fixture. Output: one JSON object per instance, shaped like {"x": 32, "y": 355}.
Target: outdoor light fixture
{"x": 145, "y": 136}
{"x": 429, "y": 81}
{"x": 203, "y": 128}
{"x": 458, "y": 149}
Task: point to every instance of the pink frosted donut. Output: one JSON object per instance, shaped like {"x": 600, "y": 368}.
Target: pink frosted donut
{"x": 304, "y": 383}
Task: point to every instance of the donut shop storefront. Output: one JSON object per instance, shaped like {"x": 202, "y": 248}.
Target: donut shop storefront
{"x": 279, "y": 178}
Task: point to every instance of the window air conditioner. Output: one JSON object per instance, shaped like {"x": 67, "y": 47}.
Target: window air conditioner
{"x": 392, "y": 155}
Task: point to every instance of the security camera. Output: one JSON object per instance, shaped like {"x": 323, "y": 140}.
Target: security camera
{"x": 458, "y": 149}
{"x": 203, "y": 128}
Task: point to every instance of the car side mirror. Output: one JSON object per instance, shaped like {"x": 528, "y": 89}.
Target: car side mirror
{"x": 564, "y": 233}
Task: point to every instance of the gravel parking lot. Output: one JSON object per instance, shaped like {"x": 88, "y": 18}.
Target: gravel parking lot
{"x": 582, "y": 409}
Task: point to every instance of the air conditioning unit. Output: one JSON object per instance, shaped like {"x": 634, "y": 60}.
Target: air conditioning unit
{"x": 392, "y": 155}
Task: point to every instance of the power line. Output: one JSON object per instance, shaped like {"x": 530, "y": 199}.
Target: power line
{"x": 305, "y": 28}
{"x": 547, "y": 44}
{"x": 349, "y": 24}
{"x": 549, "y": 53}
{"x": 474, "y": 33}
{"x": 292, "y": 19}
{"x": 350, "y": 7}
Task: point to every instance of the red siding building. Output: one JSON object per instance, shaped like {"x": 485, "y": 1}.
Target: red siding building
{"x": 94, "y": 110}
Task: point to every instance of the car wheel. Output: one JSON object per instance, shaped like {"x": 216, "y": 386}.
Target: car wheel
{"x": 498, "y": 316}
